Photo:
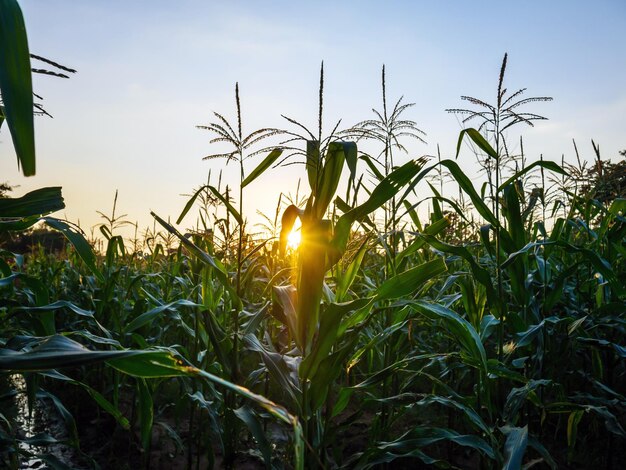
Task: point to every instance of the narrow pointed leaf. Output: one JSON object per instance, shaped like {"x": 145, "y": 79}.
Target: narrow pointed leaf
{"x": 478, "y": 139}
{"x": 548, "y": 165}
{"x": 227, "y": 204}
{"x": 260, "y": 169}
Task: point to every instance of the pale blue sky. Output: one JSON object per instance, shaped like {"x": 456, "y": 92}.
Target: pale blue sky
{"x": 149, "y": 72}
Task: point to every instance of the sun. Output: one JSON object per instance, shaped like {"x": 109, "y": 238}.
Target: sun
{"x": 293, "y": 239}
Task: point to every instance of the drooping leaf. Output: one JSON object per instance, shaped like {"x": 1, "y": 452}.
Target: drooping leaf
{"x": 478, "y": 139}
{"x": 81, "y": 245}
{"x": 16, "y": 84}
{"x": 264, "y": 165}
{"x": 288, "y": 220}
{"x": 548, "y": 165}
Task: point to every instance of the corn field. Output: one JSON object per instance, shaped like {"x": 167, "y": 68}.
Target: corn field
{"x": 422, "y": 320}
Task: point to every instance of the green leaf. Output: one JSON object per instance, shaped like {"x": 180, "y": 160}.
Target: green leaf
{"x": 331, "y": 174}
{"x": 328, "y": 333}
{"x": 313, "y": 162}
{"x": 150, "y": 315}
{"x": 460, "y": 328}
{"x": 217, "y": 194}
{"x": 82, "y": 247}
{"x": 572, "y": 428}
{"x": 264, "y": 165}
{"x": 345, "y": 279}
{"x": 16, "y": 84}
{"x": 466, "y": 185}
{"x": 54, "y": 352}
{"x": 287, "y": 299}
{"x": 34, "y": 203}
{"x": 227, "y": 204}
{"x": 405, "y": 283}
{"x": 351, "y": 153}
{"x": 385, "y": 190}
{"x": 478, "y": 140}
{"x": 145, "y": 412}
{"x": 247, "y": 415}
{"x": 186, "y": 209}
{"x": 514, "y": 447}
{"x": 548, "y": 165}
{"x": 220, "y": 270}
{"x": 418, "y": 242}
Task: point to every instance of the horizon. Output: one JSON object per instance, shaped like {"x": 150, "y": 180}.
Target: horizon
{"x": 148, "y": 76}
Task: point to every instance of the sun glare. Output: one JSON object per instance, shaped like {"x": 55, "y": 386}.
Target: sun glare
{"x": 293, "y": 239}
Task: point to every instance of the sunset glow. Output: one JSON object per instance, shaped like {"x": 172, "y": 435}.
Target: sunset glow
{"x": 293, "y": 240}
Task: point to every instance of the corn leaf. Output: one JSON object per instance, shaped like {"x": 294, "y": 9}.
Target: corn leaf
{"x": 16, "y": 84}
{"x": 34, "y": 203}
{"x": 82, "y": 246}
{"x": 260, "y": 169}
{"x": 331, "y": 174}
{"x": 514, "y": 447}
{"x": 478, "y": 139}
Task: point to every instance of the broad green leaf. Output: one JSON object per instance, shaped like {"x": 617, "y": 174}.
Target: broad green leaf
{"x": 328, "y": 334}
{"x": 55, "y": 352}
{"x": 34, "y": 203}
{"x": 16, "y": 84}
{"x": 418, "y": 242}
{"x": 313, "y": 164}
{"x": 346, "y": 278}
{"x": 405, "y": 283}
{"x": 330, "y": 177}
{"x": 260, "y": 169}
{"x": 351, "y": 153}
{"x": 572, "y": 428}
{"x": 518, "y": 396}
{"x": 286, "y": 311}
{"x": 514, "y": 447}
{"x": 480, "y": 273}
{"x": 473, "y": 417}
{"x": 217, "y": 194}
{"x": 278, "y": 369}
{"x": 424, "y": 436}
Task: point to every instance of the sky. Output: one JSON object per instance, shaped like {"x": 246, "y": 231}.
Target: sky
{"x": 149, "y": 72}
